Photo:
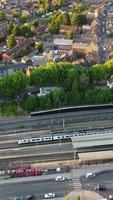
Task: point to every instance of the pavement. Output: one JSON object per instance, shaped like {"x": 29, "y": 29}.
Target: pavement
{"x": 85, "y": 195}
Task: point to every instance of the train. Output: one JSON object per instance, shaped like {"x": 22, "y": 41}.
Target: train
{"x": 63, "y": 136}
{"x": 26, "y": 172}
{"x": 71, "y": 109}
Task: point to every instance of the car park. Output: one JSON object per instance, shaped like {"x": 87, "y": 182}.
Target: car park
{"x": 60, "y": 178}
{"x": 50, "y": 195}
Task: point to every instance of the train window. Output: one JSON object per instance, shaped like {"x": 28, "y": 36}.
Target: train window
{"x": 47, "y": 138}
{"x": 67, "y": 136}
{"x": 33, "y": 140}
{"x": 38, "y": 139}
{"x": 57, "y": 137}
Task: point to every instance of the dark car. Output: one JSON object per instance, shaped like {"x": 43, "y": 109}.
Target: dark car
{"x": 100, "y": 188}
{"x": 30, "y": 197}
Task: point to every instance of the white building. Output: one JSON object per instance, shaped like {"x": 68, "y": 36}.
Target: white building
{"x": 45, "y": 90}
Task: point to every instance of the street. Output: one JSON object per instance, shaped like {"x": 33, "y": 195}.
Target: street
{"x": 103, "y": 178}
{"x": 37, "y": 188}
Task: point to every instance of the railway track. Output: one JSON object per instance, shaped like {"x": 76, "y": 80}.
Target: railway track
{"x": 56, "y": 119}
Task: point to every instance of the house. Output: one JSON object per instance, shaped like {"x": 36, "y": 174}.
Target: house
{"x": 46, "y": 90}
{"x": 63, "y": 44}
{"x": 38, "y": 60}
{"x": 8, "y": 69}
{"x": 66, "y": 28}
{"x": 110, "y": 82}
{"x": 24, "y": 45}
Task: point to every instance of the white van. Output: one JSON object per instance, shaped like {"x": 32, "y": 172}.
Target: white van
{"x": 90, "y": 175}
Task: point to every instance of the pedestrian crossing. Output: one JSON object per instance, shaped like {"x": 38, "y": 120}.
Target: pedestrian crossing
{"x": 75, "y": 182}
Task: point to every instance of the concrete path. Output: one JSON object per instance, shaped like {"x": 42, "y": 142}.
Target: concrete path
{"x": 84, "y": 195}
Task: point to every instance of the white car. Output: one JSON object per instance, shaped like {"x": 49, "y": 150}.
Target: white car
{"x": 110, "y": 196}
{"x": 90, "y": 175}
{"x": 60, "y": 178}
{"x": 49, "y": 195}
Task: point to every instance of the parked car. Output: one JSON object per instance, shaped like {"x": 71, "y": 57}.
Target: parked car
{"x": 18, "y": 198}
{"x": 110, "y": 196}
{"x": 60, "y": 178}
{"x": 30, "y": 197}
{"x": 90, "y": 175}
{"x": 100, "y": 188}
{"x": 49, "y": 195}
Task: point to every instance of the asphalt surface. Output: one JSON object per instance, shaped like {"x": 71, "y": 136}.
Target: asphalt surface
{"x": 7, "y": 191}
{"x": 102, "y": 178}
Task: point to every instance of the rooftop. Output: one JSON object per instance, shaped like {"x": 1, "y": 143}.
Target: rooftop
{"x": 63, "y": 41}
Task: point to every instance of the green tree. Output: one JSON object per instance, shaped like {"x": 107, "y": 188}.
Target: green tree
{"x": 57, "y": 97}
{"x": 11, "y": 41}
{"x": 16, "y": 30}
{"x": 31, "y": 103}
{"x": 60, "y": 3}
{"x": 53, "y": 27}
{"x": 16, "y": 14}
{"x": 23, "y": 18}
{"x": 10, "y": 26}
{"x": 35, "y": 23}
{"x": 80, "y": 7}
{"x": 13, "y": 84}
{"x": 67, "y": 197}
{"x": 48, "y": 5}
{"x": 39, "y": 46}
{"x": 66, "y": 19}
{"x": 78, "y": 197}
{"x": 2, "y": 16}
{"x": 26, "y": 30}
{"x": 70, "y": 35}
{"x": 78, "y": 19}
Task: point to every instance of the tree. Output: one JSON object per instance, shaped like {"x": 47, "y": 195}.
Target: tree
{"x": 53, "y": 27}
{"x": 11, "y": 41}
{"x": 67, "y": 197}
{"x": 80, "y": 7}
{"x": 26, "y": 30}
{"x": 16, "y": 14}
{"x": 66, "y": 19}
{"x": 78, "y": 197}
{"x": 13, "y": 84}
{"x": 16, "y": 30}
{"x": 39, "y": 46}
{"x": 60, "y": 3}
{"x": 78, "y": 19}
{"x": 2, "y": 16}
{"x": 10, "y": 26}
{"x": 48, "y": 5}
{"x": 31, "y": 103}
{"x": 35, "y": 23}
{"x": 70, "y": 35}
{"x": 23, "y": 18}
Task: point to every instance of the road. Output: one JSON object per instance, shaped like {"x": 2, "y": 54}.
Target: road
{"x": 40, "y": 186}
{"x": 103, "y": 178}
{"x": 102, "y": 36}
{"x": 37, "y": 188}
